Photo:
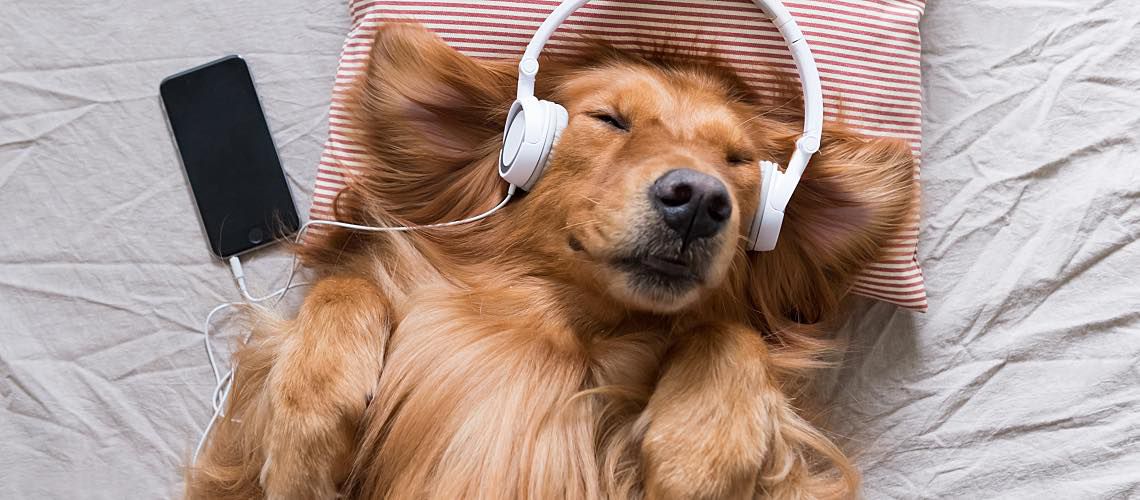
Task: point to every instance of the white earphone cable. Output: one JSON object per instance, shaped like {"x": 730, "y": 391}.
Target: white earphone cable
{"x": 224, "y": 383}
{"x": 506, "y": 199}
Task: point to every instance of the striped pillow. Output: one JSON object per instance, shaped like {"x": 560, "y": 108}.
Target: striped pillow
{"x": 867, "y": 51}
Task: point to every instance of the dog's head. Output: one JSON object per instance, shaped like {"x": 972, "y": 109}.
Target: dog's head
{"x": 653, "y": 180}
{"x": 649, "y": 193}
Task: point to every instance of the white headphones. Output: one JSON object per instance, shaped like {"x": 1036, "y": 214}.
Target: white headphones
{"x": 533, "y": 126}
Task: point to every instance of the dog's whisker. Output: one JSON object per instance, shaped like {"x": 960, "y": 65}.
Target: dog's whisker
{"x": 766, "y": 112}
{"x": 591, "y": 200}
{"x": 579, "y": 224}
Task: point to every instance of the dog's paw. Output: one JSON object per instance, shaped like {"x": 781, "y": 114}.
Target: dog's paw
{"x": 291, "y": 479}
{"x": 709, "y": 425}
{"x": 683, "y": 460}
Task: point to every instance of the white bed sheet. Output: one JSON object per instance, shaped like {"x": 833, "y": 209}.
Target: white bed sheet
{"x": 1022, "y": 381}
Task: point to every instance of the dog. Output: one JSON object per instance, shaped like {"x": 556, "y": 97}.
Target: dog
{"x": 605, "y": 336}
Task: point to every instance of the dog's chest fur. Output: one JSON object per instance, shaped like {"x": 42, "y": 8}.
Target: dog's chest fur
{"x": 479, "y": 381}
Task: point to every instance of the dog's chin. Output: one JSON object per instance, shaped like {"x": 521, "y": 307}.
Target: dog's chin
{"x": 657, "y": 284}
{"x": 654, "y": 271}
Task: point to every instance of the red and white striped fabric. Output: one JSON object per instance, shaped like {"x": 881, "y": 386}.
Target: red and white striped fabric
{"x": 867, "y": 52}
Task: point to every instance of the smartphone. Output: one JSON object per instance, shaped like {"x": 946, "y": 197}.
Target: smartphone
{"x": 231, "y": 162}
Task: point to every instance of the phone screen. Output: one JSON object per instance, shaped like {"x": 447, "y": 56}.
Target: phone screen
{"x": 229, "y": 156}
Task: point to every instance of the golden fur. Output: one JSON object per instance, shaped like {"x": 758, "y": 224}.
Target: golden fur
{"x": 510, "y": 358}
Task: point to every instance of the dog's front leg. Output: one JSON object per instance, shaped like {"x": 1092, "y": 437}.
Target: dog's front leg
{"x": 711, "y": 420}
{"x": 326, "y": 369}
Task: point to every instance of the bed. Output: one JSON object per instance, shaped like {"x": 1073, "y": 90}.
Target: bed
{"x": 1021, "y": 381}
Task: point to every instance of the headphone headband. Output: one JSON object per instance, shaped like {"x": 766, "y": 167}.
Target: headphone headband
{"x": 778, "y": 187}
{"x": 806, "y": 146}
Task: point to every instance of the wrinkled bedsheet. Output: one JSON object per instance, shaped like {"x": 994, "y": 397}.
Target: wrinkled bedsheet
{"x": 1022, "y": 381}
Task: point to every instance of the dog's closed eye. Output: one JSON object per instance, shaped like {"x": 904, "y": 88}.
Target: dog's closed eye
{"x": 736, "y": 158}
{"x": 611, "y": 120}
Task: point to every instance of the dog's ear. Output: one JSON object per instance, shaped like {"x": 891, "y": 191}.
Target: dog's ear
{"x": 856, "y": 194}
{"x": 430, "y": 120}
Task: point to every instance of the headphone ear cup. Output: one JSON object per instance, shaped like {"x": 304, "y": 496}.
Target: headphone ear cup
{"x": 765, "y": 227}
{"x": 559, "y": 118}
{"x": 532, "y": 128}
{"x": 522, "y": 142}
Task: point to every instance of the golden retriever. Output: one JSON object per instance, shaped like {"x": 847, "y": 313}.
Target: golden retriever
{"x": 604, "y": 336}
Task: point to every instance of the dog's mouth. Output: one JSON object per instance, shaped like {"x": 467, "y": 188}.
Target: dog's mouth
{"x": 662, "y": 280}
{"x": 674, "y": 271}
{"x": 661, "y": 268}
{"x": 656, "y": 269}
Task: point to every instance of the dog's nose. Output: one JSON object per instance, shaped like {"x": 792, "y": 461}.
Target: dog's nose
{"x": 695, "y": 205}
